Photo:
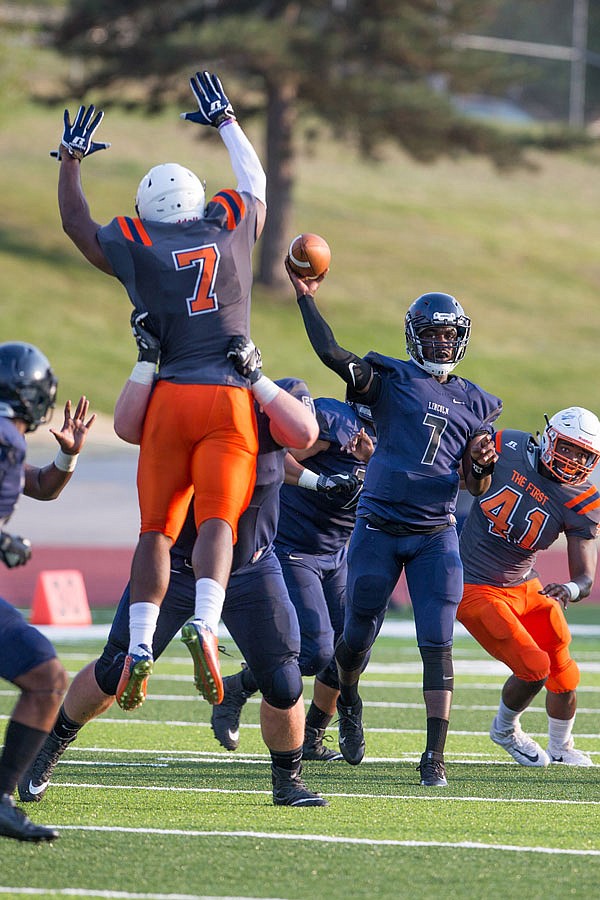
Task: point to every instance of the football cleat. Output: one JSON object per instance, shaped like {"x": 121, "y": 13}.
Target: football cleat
{"x": 15, "y": 824}
{"x": 131, "y": 689}
{"x": 313, "y": 748}
{"x": 432, "y": 769}
{"x": 204, "y": 650}
{"x": 225, "y": 717}
{"x": 351, "y": 734}
{"x": 34, "y": 783}
{"x": 569, "y": 756}
{"x": 290, "y": 790}
{"x": 520, "y": 746}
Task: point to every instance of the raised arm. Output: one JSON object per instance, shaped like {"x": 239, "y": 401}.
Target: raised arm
{"x": 215, "y": 109}
{"x": 47, "y": 482}
{"x": 77, "y": 223}
{"x": 356, "y": 372}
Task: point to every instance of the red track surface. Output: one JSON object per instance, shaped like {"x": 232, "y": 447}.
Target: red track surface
{"x": 105, "y": 572}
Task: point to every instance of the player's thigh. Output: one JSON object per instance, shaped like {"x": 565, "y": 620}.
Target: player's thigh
{"x": 305, "y": 589}
{"x": 434, "y": 578}
{"x": 261, "y": 618}
{"x": 22, "y": 647}
{"x": 334, "y": 588}
{"x": 545, "y": 619}
{"x": 373, "y": 570}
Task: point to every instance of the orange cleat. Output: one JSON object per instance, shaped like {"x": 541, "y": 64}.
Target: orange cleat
{"x": 204, "y": 650}
{"x": 131, "y": 689}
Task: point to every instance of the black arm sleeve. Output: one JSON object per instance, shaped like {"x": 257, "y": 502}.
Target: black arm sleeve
{"x": 356, "y": 372}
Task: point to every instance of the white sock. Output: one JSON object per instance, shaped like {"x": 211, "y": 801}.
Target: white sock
{"x": 506, "y": 719}
{"x": 559, "y": 732}
{"x": 142, "y": 625}
{"x": 210, "y": 597}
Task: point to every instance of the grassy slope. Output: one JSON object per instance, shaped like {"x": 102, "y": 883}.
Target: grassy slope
{"x": 519, "y": 250}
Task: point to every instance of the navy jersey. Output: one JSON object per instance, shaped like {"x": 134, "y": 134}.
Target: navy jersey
{"x": 523, "y": 511}
{"x": 308, "y": 521}
{"x": 258, "y": 524}
{"x": 194, "y": 278}
{"x": 12, "y": 466}
{"x": 423, "y": 429}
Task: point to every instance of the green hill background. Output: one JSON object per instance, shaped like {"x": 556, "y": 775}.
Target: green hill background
{"x": 519, "y": 250}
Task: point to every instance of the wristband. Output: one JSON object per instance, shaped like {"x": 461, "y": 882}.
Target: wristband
{"x": 143, "y": 372}
{"x": 265, "y": 390}
{"x": 574, "y": 590}
{"x": 480, "y": 472}
{"x": 66, "y": 462}
{"x": 308, "y": 480}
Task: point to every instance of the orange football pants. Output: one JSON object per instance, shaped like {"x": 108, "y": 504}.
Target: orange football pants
{"x": 523, "y": 629}
{"x": 200, "y": 440}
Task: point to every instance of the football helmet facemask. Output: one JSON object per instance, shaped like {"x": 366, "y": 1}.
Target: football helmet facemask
{"x": 170, "y": 193}
{"x": 576, "y": 426}
{"x": 436, "y": 310}
{"x": 27, "y": 384}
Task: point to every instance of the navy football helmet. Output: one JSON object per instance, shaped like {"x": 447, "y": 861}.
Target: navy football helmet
{"x": 436, "y": 310}
{"x": 27, "y": 384}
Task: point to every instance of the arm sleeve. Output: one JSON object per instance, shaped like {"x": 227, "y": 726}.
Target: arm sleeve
{"x": 244, "y": 161}
{"x": 356, "y": 372}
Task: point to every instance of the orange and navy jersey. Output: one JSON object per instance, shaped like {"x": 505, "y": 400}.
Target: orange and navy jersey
{"x": 194, "y": 278}
{"x": 522, "y": 512}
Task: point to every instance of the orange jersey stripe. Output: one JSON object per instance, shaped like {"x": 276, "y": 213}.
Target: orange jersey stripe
{"x": 124, "y": 227}
{"x": 575, "y": 501}
{"x": 498, "y": 441}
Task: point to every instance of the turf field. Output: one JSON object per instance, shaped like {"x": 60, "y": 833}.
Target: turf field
{"x": 149, "y": 806}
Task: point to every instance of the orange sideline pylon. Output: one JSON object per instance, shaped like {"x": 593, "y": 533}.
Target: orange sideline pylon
{"x": 60, "y": 598}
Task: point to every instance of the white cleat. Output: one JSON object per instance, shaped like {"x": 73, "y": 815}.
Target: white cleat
{"x": 569, "y": 756}
{"x": 520, "y": 746}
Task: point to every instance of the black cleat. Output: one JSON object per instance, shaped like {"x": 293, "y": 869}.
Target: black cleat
{"x": 313, "y": 746}
{"x": 225, "y": 718}
{"x": 34, "y": 783}
{"x": 290, "y": 790}
{"x": 432, "y": 769}
{"x": 352, "y": 737}
{"x": 15, "y": 824}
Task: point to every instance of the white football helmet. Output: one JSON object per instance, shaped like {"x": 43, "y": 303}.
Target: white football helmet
{"x": 170, "y": 193}
{"x": 577, "y": 426}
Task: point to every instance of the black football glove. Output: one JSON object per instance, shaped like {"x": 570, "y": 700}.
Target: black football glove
{"x": 147, "y": 342}
{"x": 245, "y": 357}
{"x": 338, "y": 487}
{"x": 213, "y": 103}
{"x": 77, "y": 138}
{"x": 14, "y": 550}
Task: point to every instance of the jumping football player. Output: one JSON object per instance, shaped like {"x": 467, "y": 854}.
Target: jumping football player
{"x": 189, "y": 265}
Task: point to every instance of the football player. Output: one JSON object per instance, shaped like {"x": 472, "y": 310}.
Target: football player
{"x": 537, "y": 492}
{"x": 27, "y": 658}
{"x": 429, "y": 424}
{"x": 257, "y": 610}
{"x": 317, "y": 513}
{"x": 188, "y": 264}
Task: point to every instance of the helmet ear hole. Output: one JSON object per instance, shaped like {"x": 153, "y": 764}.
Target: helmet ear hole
{"x": 27, "y": 384}
{"x": 170, "y": 193}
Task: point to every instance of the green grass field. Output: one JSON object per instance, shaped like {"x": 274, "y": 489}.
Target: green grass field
{"x": 150, "y": 806}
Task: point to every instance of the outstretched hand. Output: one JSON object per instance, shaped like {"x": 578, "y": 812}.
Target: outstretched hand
{"x": 214, "y": 107}
{"x": 73, "y": 433}
{"x": 77, "y": 137}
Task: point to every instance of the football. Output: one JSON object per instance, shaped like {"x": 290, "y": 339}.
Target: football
{"x": 309, "y": 255}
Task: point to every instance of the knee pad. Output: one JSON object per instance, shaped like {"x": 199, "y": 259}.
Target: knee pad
{"x": 107, "y": 671}
{"x": 283, "y": 687}
{"x": 532, "y": 664}
{"x": 329, "y": 677}
{"x": 565, "y": 679}
{"x": 438, "y": 671}
{"x": 319, "y": 658}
